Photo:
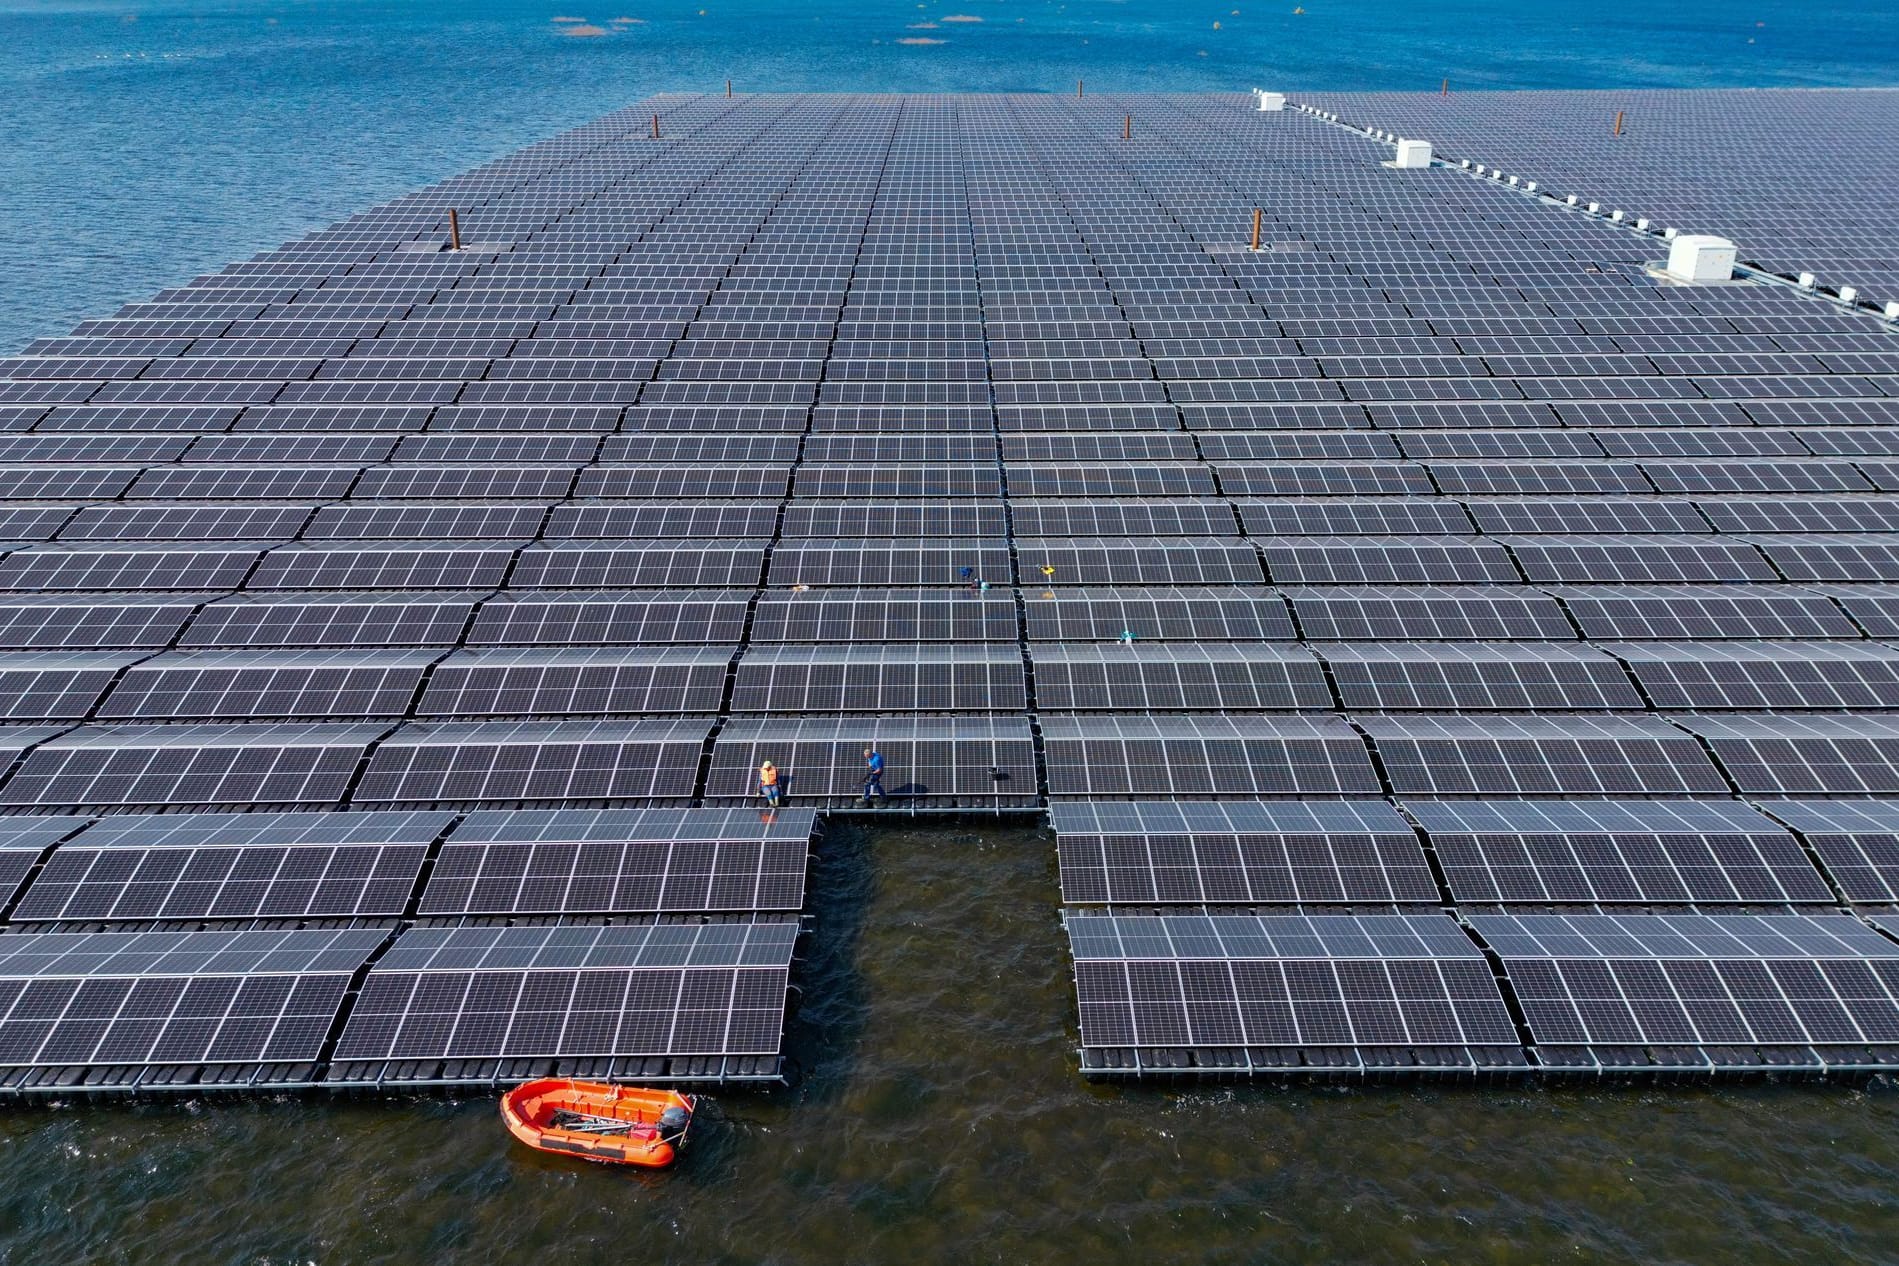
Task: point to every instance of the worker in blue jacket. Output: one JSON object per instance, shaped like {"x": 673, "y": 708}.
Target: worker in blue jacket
{"x": 873, "y": 775}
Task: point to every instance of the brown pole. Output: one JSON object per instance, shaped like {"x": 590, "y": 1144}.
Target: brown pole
{"x": 1078, "y": 87}
{"x": 1618, "y": 122}
{"x": 454, "y": 230}
{"x": 656, "y": 127}
{"x": 728, "y": 87}
{"x": 1445, "y": 91}
{"x": 1255, "y": 228}
{"x": 1127, "y": 128}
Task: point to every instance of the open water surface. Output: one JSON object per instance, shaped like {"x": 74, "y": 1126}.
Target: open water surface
{"x": 143, "y": 142}
{"x": 939, "y": 1118}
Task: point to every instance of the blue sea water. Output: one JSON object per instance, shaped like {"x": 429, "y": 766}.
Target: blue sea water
{"x": 144, "y": 143}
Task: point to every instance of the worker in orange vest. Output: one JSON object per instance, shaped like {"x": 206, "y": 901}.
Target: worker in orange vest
{"x": 768, "y": 783}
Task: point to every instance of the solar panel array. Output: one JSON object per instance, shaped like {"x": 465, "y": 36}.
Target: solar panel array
{"x": 1577, "y": 573}
{"x": 1796, "y": 178}
{"x": 1430, "y": 559}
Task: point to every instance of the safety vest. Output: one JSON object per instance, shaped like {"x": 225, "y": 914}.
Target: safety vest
{"x": 768, "y": 776}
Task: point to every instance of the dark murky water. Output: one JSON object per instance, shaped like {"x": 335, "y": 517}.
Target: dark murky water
{"x": 939, "y": 1118}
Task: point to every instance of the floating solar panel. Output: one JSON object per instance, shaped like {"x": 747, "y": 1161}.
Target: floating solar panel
{"x": 1116, "y": 518}
{"x": 1284, "y": 985}
{"x": 1814, "y": 556}
{"x": 884, "y": 679}
{"x": 235, "y": 866}
{"x": 23, "y": 841}
{"x": 1137, "y": 561}
{"x": 190, "y": 764}
{"x": 1636, "y": 558}
{"x": 860, "y": 518}
{"x": 539, "y": 681}
{"x": 42, "y": 568}
{"x": 1540, "y": 755}
{"x": 1197, "y": 613}
{"x": 262, "y": 1002}
{"x": 1238, "y": 853}
{"x": 407, "y": 565}
{"x": 1343, "y": 517}
{"x": 214, "y": 685}
{"x": 165, "y": 522}
{"x": 621, "y": 861}
{"x": 884, "y": 615}
{"x": 449, "y": 997}
{"x": 1759, "y": 675}
{"x": 611, "y": 618}
{"x": 1803, "y": 755}
{"x": 47, "y": 685}
{"x": 534, "y": 760}
{"x": 1704, "y": 612}
{"x": 1614, "y": 851}
{"x": 1189, "y": 755}
{"x": 1478, "y": 677}
{"x": 1376, "y": 560}
{"x": 1596, "y": 515}
{"x": 334, "y": 620}
{"x": 1856, "y": 840}
{"x": 92, "y": 621}
{"x": 1139, "y": 677}
{"x": 901, "y": 564}
{"x": 1671, "y": 985}
{"x": 1427, "y": 612}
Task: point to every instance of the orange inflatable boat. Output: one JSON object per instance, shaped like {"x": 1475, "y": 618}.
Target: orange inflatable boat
{"x": 621, "y": 1125}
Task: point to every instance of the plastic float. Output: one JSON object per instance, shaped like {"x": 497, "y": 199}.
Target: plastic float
{"x": 617, "y": 1125}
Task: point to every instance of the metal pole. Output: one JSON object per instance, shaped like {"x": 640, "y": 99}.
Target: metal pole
{"x": 728, "y": 87}
{"x": 454, "y": 230}
{"x": 1078, "y": 87}
{"x": 1255, "y": 228}
{"x": 656, "y": 127}
{"x": 1445, "y": 91}
{"x": 1618, "y": 122}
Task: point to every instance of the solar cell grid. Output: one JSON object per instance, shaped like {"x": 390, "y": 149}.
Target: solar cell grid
{"x": 1703, "y": 612}
{"x": 1238, "y": 853}
{"x": 622, "y": 990}
{"x": 1648, "y": 979}
{"x": 1615, "y": 851}
{"x": 884, "y": 679}
{"x": 1478, "y": 676}
{"x": 241, "y": 873}
{"x": 159, "y": 998}
{"x": 534, "y": 760}
{"x": 1290, "y": 980}
{"x": 204, "y": 685}
{"x": 1540, "y": 755}
{"x": 1200, "y": 754}
{"x": 1434, "y": 612}
{"x": 540, "y": 681}
{"x": 621, "y": 861}
{"x": 1143, "y": 676}
{"x": 1763, "y": 675}
{"x": 189, "y": 764}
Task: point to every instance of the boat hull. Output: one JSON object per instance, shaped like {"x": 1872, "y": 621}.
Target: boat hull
{"x": 533, "y": 1113}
